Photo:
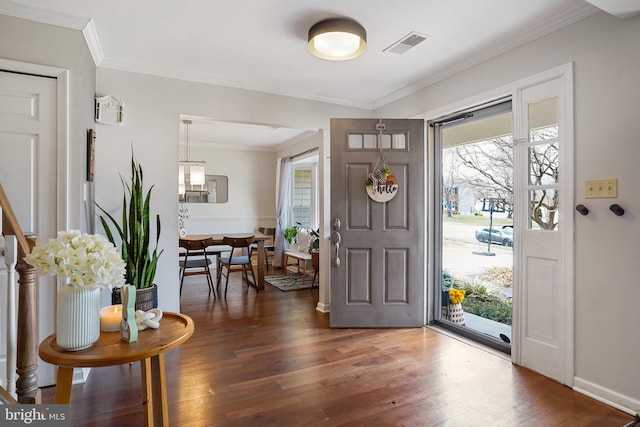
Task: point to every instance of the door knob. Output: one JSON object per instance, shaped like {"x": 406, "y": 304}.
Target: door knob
{"x": 336, "y": 238}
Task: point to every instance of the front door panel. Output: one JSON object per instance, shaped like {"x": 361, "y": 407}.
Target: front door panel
{"x": 379, "y": 278}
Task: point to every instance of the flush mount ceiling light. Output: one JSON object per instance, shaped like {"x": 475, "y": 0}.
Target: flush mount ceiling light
{"x": 337, "y": 39}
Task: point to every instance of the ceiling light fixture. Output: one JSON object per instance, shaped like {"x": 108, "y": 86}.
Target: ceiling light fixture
{"x": 337, "y": 39}
{"x": 196, "y": 167}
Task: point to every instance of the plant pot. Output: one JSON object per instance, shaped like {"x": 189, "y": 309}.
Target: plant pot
{"x": 77, "y": 317}
{"x": 444, "y": 301}
{"x": 456, "y": 314}
{"x": 146, "y": 299}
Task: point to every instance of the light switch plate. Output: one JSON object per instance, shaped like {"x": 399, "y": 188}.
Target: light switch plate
{"x": 601, "y": 188}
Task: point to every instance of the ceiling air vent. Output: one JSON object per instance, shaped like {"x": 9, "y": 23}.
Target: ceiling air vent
{"x": 407, "y": 42}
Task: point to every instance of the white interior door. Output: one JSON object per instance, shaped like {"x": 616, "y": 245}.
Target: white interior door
{"x": 379, "y": 280}
{"x": 545, "y": 227}
{"x": 28, "y": 142}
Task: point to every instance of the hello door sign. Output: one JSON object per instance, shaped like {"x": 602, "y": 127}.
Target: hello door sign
{"x": 381, "y": 185}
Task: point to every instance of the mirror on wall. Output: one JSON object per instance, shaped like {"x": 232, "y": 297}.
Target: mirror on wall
{"x": 214, "y": 190}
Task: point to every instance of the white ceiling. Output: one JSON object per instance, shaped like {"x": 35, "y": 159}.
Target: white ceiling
{"x": 261, "y": 45}
{"x": 204, "y": 130}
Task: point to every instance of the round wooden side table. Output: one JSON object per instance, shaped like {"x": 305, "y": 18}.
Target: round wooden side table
{"x": 175, "y": 328}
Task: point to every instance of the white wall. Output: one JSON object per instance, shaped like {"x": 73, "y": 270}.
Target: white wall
{"x": 308, "y": 142}
{"x": 251, "y": 178}
{"x": 47, "y": 45}
{"x": 604, "y": 50}
{"x": 152, "y": 118}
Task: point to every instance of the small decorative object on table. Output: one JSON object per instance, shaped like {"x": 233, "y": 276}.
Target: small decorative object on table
{"x": 456, "y": 313}
{"x": 148, "y": 319}
{"x": 183, "y": 213}
{"x": 129, "y": 328}
{"x": 88, "y": 262}
{"x": 110, "y": 318}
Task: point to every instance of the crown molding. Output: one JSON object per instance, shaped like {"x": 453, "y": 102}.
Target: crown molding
{"x": 42, "y": 15}
{"x": 623, "y": 9}
{"x": 37, "y": 14}
{"x": 212, "y": 80}
{"x": 93, "y": 42}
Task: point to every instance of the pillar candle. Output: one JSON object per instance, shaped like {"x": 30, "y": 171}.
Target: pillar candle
{"x": 110, "y": 318}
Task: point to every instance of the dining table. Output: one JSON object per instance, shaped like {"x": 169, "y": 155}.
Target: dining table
{"x": 259, "y": 238}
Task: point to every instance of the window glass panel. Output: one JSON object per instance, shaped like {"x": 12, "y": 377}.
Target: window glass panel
{"x": 302, "y": 194}
{"x": 476, "y": 219}
{"x": 396, "y": 141}
{"x": 543, "y": 164}
{"x": 386, "y": 141}
{"x": 543, "y": 209}
{"x": 370, "y": 141}
{"x": 355, "y": 141}
{"x": 301, "y": 187}
{"x": 301, "y": 215}
{"x": 399, "y": 141}
{"x": 543, "y": 134}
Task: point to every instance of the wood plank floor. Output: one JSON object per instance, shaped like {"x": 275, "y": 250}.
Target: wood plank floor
{"x": 270, "y": 359}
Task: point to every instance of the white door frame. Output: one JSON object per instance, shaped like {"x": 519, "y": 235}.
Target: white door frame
{"x": 46, "y": 372}
{"x": 62, "y": 78}
{"x": 566, "y": 73}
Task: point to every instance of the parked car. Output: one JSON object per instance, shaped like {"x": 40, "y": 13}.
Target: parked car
{"x": 503, "y": 235}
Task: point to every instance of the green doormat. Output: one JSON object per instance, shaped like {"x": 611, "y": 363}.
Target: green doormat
{"x": 290, "y": 282}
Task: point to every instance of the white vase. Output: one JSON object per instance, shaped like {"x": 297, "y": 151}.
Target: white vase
{"x": 77, "y": 317}
{"x": 456, "y": 314}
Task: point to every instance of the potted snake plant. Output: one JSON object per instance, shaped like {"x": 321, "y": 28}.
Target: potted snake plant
{"x": 134, "y": 237}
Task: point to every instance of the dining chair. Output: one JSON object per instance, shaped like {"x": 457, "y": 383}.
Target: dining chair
{"x": 195, "y": 260}
{"x": 268, "y": 244}
{"x": 236, "y": 257}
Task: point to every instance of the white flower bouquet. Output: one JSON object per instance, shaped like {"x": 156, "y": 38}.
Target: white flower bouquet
{"x": 83, "y": 259}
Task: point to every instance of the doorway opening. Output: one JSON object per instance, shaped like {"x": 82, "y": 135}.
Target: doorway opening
{"x": 474, "y": 226}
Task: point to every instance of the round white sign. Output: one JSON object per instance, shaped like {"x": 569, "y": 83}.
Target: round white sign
{"x": 383, "y": 191}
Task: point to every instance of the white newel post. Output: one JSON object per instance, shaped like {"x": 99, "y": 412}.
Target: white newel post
{"x": 10, "y": 255}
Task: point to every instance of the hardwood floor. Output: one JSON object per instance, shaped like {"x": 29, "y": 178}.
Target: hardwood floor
{"x": 270, "y": 359}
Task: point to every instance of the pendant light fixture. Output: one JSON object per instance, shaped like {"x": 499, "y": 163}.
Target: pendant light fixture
{"x": 337, "y": 39}
{"x": 196, "y": 167}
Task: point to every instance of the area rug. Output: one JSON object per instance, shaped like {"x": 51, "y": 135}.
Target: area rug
{"x": 290, "y": 282}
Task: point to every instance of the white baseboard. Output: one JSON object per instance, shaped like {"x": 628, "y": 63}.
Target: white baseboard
{"x": 612, "y": 398}
{"x": 323, "y": 308}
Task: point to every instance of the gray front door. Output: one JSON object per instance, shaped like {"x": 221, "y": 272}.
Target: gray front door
{"x": 378, "y": 251}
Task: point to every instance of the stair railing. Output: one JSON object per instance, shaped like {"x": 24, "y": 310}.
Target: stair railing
{"x": 27, "y": 340}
